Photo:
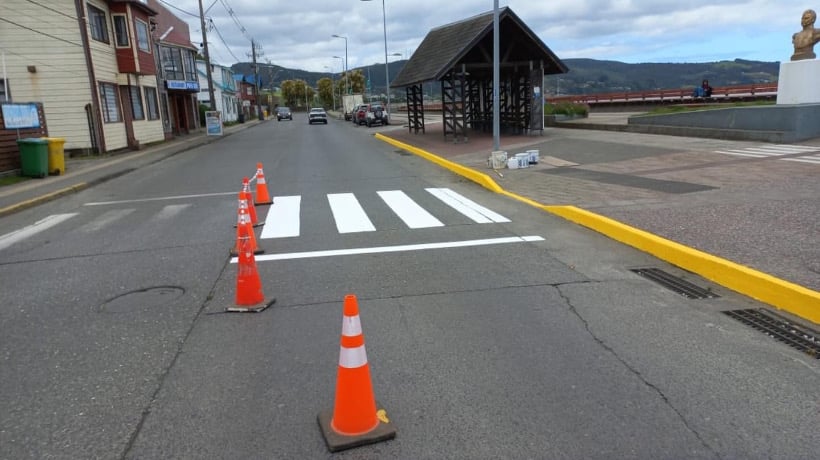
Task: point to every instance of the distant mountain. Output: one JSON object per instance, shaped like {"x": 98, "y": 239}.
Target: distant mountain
{"x": 585, "y": 76}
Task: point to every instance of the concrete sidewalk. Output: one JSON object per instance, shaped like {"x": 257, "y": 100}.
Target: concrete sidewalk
{"x": 83, "y": 172}
{"x": 730, "y": 216}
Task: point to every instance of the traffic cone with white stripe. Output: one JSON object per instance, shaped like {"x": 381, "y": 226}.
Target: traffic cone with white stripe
{"x": 262, "y": 195}
{"x": 246, "y": 192}
{"x": 244, "y": 230}
{"x": 249, "y": 295}
{"x": 355, "y": 420}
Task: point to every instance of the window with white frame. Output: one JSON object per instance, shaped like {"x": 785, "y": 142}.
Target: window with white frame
{"x": 151, "y": 107}
{"x": 5, "y": 91}
{"x": 98, "y": 23}
{"x": 142, "y": 37}
{"x": 120, "y": 30}
{"x": 135, "y": 95}
{"x": 110, "y": 103}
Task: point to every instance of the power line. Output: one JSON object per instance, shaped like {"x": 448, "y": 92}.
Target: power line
{"x": 219, "y": 34}
{"x": 236, "y": 20}
{"x": 52, "y": 9}
{"x": 41, "y": 33}
{"x": 178, "y": 9}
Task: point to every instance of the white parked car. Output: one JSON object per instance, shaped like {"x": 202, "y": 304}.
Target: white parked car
{"x": 317, "y": 115}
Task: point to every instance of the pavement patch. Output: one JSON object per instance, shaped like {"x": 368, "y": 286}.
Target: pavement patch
{"x": 628, "y": 180}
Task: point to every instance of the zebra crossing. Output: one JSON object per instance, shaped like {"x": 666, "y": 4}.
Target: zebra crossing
{"x": 283, "y": 219}
{"x": 779, "y": 150}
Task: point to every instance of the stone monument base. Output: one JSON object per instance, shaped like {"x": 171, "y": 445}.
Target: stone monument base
{"x": 798, "y": 82}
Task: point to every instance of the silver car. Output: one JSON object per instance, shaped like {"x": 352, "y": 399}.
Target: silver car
{"x": 317, "y": 115}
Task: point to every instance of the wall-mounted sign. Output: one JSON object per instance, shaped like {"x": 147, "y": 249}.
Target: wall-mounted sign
{"x": 20, "y": 116}
{"x": 182, "y": 85}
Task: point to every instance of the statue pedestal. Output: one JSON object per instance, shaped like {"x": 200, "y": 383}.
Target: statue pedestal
{"x": 799, "y": 82}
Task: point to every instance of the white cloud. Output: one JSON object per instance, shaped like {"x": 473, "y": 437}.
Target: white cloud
{"x": 297, "y": 34}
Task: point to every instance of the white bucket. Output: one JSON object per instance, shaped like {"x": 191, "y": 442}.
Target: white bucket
{"x": 498, "y": 159}
{"x": 533, "y": 156}
{"x": 523, "y": 160}
{"x": 512, "y": 163}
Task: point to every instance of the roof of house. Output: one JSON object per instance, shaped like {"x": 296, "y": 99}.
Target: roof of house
{"x": 469, "y": 42}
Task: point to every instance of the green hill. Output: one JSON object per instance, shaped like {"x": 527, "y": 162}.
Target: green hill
{"x": 585, "y": 76}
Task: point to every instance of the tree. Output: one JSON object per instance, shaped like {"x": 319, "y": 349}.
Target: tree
{"x": 326, "y": 96}
{"x": 355, "y": 81}
{"x": 289, "y": 92}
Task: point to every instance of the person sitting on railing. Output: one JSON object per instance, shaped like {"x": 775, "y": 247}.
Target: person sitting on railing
{"x": 705, "y": 90}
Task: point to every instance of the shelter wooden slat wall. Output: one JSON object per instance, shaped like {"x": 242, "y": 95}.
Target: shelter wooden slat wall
{"x": 9, "y": 150}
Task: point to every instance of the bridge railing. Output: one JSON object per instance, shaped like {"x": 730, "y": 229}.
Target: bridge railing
{"x": 754, "y": 91}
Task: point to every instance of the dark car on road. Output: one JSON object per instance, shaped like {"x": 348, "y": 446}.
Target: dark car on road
{"x": 283, "y": 113}
{"x": 370, "y": 114}
{"x": 317, "y": 115}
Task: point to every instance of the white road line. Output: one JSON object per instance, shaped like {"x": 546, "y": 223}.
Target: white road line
{"x": 408, "y": 210}
{"x": 769, "y": 152}
{"x": 161, "y": 198}
{"x": 464, "y": 205}
{"x": 795, "y": 148}
{"x": 348, "y": 213}
{"x": 388, "y": 249}
{"x": 37, "y": 227}
{"x": 812, "y": 160}
{"x": 170, "y": 211}
{"x": 283, "y": 218}
{"x": 105, "y": 219}
{"x": 740, "y": 153}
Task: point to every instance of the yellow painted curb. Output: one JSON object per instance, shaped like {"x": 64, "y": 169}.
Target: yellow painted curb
{"x": 778, "y": 293}
{"x": 41, "y": 199}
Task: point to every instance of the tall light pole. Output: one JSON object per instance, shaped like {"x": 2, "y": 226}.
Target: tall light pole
{"x": 207, "y": 58}
{"x": 386, "y": 71}
{"x": 496, "y": 81}
{"x": 347, "y": 86}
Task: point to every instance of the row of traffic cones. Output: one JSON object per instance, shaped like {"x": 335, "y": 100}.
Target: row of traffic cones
{"x": 249, "y": 295}
{"x": 356, "y": 418}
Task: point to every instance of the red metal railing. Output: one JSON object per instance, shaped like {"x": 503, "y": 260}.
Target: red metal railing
{"x": 739, "y": 91}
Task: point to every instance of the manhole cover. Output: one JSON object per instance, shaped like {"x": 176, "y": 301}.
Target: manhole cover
{"x": 142, "y": 299}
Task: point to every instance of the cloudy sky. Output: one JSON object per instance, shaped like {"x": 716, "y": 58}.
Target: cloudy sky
{"x": 298, "y": 34}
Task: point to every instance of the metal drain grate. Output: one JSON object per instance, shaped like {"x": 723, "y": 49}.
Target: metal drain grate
{"x": 780, "y": 329}
{"x": 679, "y": 285}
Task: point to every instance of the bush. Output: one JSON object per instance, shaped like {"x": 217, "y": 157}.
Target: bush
{"x": 566, "y": 108}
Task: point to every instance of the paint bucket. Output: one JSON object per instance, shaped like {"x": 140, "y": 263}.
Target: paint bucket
{"x": 523, "y": 160}
{"x": 498, "y": 159}
{"x": 512, "y": 163}
{"x": 533, "y": 156}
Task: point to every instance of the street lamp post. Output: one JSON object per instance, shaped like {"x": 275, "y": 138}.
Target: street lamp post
{"x": 386, "y": 71}
{"x": 347, "y": 86}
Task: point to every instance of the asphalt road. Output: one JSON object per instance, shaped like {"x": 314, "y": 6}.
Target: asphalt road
{"x": 537, "y": 342}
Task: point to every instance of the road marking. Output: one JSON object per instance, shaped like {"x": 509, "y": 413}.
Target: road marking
{"x": 408, "y": 210}
{"x": 283, "y": 217}
{"x": 170, "y": 211}
{"x": 161, "y": 198}
{"x": 464, "y": 205}
{"x": 388, "y": 249}
{"x": 348, "y": 213}
{"x": 105, "y": 219}
{"x": 813, "y": 159}
{"x": 37, "y": 227}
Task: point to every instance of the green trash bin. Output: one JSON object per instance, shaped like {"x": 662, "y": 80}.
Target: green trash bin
{"x": 56, "y": 155}
{"x": 33, "y": 157}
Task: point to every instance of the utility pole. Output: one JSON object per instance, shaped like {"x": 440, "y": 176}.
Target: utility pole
{"x": 256, "y": 82}
{"x": 207, "y": 57}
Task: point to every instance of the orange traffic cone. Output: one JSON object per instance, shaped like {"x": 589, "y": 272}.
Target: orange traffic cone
{"x": 262, "y": 196}
{"x": 354, "y": 420}
{"x": 249, "y": 296}
{"x": 246, "y": 192}
{"x": 244, "y": 230}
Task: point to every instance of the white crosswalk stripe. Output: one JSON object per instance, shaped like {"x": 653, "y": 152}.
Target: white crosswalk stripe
{"x": 284, "y": 215}
{"x": 408, "y": 210}
{"x": 813, "y": 159}
{"x": 775, "y": 150}
{"x": 33, "y": 229}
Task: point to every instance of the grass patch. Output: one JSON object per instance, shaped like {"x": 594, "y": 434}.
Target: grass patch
{"x": 566, "y": 108}
{"x": 705, "y": 106}
{"x": 12, "y": 179}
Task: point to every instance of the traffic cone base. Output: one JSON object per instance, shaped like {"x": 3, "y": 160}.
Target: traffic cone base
{"x": 383, "y": 431}
{"x": 252, "y": 309}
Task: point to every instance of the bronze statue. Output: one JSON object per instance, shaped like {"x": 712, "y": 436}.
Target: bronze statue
{"x": 805, "y": 40}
